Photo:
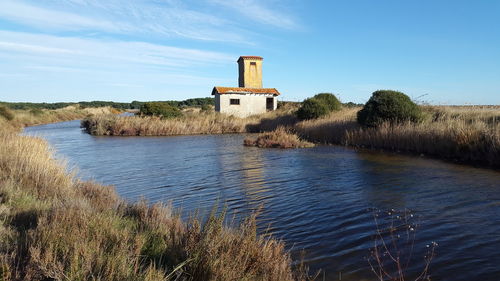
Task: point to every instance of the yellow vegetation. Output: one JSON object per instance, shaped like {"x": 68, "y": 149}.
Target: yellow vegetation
{"x": 279, "y": 138}
{"x": 190, "y": 123}
{"x": 33, "y": 117}
{"x": 465, "y": 134}
{"x": 56, "y": 227}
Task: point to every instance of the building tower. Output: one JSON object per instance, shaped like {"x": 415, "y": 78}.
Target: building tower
{"x": 250, "y": 72}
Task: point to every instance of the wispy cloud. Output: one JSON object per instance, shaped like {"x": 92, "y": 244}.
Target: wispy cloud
{"x": 81, "y": 49}
{"x": 143, "y": 18}
{"x": 260, "y": 12}
{"x": 29, "y": 14}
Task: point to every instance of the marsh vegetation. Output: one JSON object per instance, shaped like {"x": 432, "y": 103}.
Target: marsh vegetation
{"x": 55, "y": 226}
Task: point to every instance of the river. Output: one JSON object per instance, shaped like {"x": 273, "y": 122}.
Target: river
{"x": 319, "y": 200}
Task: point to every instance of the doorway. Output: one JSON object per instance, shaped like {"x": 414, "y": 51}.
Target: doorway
{"x": 270, "y": 104}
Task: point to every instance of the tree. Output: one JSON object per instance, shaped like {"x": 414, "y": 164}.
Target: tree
{"x": 389, "y": 106}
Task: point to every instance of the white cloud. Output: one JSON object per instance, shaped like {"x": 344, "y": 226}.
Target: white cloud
{"x": 143, "y": 18}
{"x": 257, "y": 11}
{"x": 86, "y": 51}
{"x": 32, "y": 15}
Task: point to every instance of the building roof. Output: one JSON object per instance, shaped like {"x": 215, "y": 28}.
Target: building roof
{"x": 240, "y": 90}
{"x": 250, "y": 57}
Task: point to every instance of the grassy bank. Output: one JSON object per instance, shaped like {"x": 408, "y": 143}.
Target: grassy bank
{"x": 467, "y": 134}
{"x": 56, "y": 227}
{"x": 462, "y": 134}
{"x": 189, "y": 124}
{"x": 20, "y": 118}
{"x": 279, "y": 138}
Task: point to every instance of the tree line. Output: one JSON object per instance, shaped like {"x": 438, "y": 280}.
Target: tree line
{"x": 195, "y": 102}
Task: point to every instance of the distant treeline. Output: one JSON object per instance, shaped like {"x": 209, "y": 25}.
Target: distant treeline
{"x": 196, "y": 102}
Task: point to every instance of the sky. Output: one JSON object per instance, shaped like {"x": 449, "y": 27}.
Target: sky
{"x": 439, "y": 52}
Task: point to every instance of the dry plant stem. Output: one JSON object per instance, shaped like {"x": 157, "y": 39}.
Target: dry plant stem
{"x": 388, "y": 243}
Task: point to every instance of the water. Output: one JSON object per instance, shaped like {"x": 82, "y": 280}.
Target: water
{"x": 316, "y": 199}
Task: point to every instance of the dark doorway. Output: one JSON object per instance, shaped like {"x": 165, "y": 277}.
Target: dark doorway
{"x": 270, "y": 104}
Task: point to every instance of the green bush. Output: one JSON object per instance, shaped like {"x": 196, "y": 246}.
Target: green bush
{"x": 330, "y": 100}
{"x": 389, "y": 106}
{"x": 36, "y": 112}
{"x": 206, "y": 108}
{"x": 6, "y": 113}
{"x": 319, "y": 105}
{"x": 161, "y": 109}
{"x": 312, "y": 108}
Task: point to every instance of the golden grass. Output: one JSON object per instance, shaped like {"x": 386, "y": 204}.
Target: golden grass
{"x": 23, "y": 118}
{"x": 191, "y": 123}
{"x": 468, "y": 134}
{"x": 279, "y": 138}
{"x": 464, "y": 134}
{"x": 55, "y": 227}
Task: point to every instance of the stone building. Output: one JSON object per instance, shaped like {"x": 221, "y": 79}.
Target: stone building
{"x": 249, "y": 98}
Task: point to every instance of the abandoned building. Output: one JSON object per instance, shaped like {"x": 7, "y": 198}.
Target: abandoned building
{"x": 249, "y": 98}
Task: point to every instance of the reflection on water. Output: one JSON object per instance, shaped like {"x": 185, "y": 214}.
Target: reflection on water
{"x": 314, "y": 199}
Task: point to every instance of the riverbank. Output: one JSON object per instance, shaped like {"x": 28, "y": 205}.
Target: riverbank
{"x": 465, "y": 134}
{"x": 460, "y": 134}
{"x": 16, "y": 119}
{"x": 191, "y": 123}
{"x": 55, "y": 226}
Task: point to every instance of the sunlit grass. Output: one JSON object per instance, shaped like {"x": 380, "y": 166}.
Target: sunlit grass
{"x": 56, "y": 227}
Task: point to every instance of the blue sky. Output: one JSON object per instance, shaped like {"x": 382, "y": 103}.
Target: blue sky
{"x": 441, "y": 52}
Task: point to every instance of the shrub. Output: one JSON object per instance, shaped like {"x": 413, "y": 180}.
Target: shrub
{"x": 160, "y": 109}
{"x": 206, "y": 108}
{"x": 36, "y": 111}
{"x": 330, "y": 100}
{"x": 319, "y": 105}
{"x": 6, "y": 113}
{"x": 312, "y": 108}
{"x": 388, "y": 106}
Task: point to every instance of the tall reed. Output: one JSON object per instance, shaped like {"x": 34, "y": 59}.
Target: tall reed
{"x": 463, "y": 134}
{"x": 22, "y": 118}
{"x": 188, "y": 124}
{"x": 56, "y": 227}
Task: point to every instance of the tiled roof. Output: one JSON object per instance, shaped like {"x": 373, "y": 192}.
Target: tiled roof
{"x": 251, "y": 57}
{"x": 239, "y": 90}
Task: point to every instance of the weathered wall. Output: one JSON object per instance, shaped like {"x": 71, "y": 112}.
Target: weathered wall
{"x": 250, "y": 104}
{"x": 250, "y": 76}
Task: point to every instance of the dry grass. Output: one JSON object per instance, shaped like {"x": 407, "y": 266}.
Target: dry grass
{"x": 465, "y": 134}
{"x": 55, "y": 227}
{"x": 23, "y": 118}
{"x": 279, "y": 138}
{"x": 191, "y": 123}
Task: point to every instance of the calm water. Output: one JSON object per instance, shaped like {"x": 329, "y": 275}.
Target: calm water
{"x": 315, "y": 199}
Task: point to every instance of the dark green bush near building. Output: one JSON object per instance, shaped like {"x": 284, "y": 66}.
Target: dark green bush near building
{"x": 389, "y": 106}
{"x": 160, "y": 109}
{"x": 319, "y": 105}
{"x": 312, "y": 108}
{"x": 330, "y": 100}
{"x": 6, "y": 113}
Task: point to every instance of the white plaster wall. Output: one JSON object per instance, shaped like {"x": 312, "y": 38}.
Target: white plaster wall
{"x": 250, "y": 104}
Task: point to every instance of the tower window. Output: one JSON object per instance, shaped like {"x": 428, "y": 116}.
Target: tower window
{"x": 234, "y": 101}
{"x": 253, "y": 63}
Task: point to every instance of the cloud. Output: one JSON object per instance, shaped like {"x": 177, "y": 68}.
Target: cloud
{"x": 139, "y": 18}
{"x": 258, "y": 12}
{"x": 36, "y": 16}
{"x": 72, "y": 49}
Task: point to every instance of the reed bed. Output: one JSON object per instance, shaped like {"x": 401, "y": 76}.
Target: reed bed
{"x": 468, "y": 134}
{"x": 280, "y": 138}
{"x": 23, "y": 118}
{"x": 56, "y": 227}
{"x": 191, "y": 123}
